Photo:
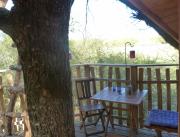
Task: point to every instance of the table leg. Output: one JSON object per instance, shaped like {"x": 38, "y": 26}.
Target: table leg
{"x": 109, "y": 118}
{"x": 133, "y": 110}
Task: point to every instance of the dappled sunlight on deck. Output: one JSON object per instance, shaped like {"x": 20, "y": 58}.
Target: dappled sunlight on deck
{"x": 120, "y": 132}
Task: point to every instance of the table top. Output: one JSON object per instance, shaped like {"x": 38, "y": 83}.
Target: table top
{"x": 119, "y": 95}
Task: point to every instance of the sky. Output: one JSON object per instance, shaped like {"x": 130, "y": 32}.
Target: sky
{"x": 110, "y": 20}
{"x": 106, "y": 19}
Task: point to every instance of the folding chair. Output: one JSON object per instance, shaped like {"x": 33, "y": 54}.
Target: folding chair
{"x": 85, "y": 88}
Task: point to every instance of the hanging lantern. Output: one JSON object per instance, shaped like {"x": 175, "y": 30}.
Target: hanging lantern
{"x": 132, "y": 54}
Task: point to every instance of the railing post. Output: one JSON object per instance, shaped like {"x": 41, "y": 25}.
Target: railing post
{"x": 134, "y": 76}
{"x": 178, "y": 101}
{"x": 2, "y": 107}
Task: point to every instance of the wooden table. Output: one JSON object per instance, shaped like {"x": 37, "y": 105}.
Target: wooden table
{"x": 119, "y": 95}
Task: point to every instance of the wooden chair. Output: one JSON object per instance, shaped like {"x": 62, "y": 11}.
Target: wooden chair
{"x": 85, "y": 88}
{"x": 160, "y": 128}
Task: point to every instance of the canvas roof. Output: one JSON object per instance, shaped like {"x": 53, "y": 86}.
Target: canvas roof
{"x": 162, "y": 15}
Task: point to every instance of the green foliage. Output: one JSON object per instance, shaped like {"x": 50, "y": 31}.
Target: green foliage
{"x": 8, "y": 54}
{"x": 112, "y": 52}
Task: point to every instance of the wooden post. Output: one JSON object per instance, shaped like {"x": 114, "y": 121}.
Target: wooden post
{"x": 168, "y": 87}
{"x": 27, "y": 127}
{"x": 127, "y": 83}
{"x": 110, "y": 74}
{"x": 2, "y": 107}
{"x": 141, "y": 106}
{"x": 159, "y": 88}
{"x": 13, "y": 101}
{"x": 179, "y": 67}
{"x": 134, "y": 78}
{"x": 118, "y": 76}
{"x": 149, "y": 89}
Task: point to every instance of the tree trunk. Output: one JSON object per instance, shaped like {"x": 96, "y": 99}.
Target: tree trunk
{"x": 41, "y": 36}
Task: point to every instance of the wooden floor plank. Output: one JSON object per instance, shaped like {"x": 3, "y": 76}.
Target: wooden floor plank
{"x": 120, "y": 132}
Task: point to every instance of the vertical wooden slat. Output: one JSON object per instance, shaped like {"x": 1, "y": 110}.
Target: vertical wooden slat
{"x": 27, "y": 127}
{"x": 118, "y": 76}
{"x": 141, "y": 74}
{"x": 10, "y": 108}
{"x": 159, "y": 88}
{"x": 78, "y": 74}
{"x": 127, "y": 83}
{"x": 78, "y": 87}
{"x": 13, "y": 101}
{"x": 177, "y": 88}
{"x": 149, "y": 89}
{"x": 92, "y": 71}
{"x": 127, "y": 75}
{"x": 87, "y": 71}
{"x": 110, "y": 71}
{"x": 2, "y": 107}
{"x": 178, "y": 91}
{"x": 168, "y": 87}
{"x": 141, "y": 107}
{"x": 101, "y": 75}
{"x": 78, "y": 71}
{"x": 134, "y": 78}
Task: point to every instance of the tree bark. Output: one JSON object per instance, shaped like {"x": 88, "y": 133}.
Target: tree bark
{"x": 40, "y": 31}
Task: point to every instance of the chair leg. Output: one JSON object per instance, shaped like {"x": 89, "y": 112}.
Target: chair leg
{"x": 84, "y": 126}
{"x": 81, "y": 119}
{"x": 97, "y": 120}
{"x": 102, "y": 120}
{"x": 158, "y": 133}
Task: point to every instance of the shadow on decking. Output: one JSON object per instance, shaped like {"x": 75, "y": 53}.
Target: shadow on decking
{"x": 119, "y": 132}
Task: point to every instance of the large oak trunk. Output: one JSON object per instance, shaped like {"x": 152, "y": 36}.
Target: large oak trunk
{"x": 41, "y": 37}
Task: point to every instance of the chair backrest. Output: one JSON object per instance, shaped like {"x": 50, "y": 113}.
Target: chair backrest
{"x": 85, "y": 88}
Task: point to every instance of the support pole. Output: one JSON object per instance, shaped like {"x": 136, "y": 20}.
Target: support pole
{"x": 179, "y": 69}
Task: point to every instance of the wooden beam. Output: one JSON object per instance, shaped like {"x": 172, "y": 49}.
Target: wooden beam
{"x": 179, "y": 68}
{"x": 146, "y": 11}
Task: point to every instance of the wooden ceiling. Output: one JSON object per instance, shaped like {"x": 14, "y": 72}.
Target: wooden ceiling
{"x": 163, "y": 13}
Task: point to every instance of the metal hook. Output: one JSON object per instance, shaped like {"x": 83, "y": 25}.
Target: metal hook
{"x": 127, "y": 44}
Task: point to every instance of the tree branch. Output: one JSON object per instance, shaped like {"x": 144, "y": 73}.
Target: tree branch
{"x": 5, "y": 21}
{"x": 72, "y": 1}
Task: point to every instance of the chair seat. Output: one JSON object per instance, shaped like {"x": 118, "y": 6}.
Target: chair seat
{"x": 163, "y": 119}
{"x": 91, "y": 107}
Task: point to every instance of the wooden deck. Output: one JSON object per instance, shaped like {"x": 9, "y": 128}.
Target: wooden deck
{"x": 120, "y": 132}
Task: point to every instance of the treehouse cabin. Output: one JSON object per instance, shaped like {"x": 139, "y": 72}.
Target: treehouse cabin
{"x": 157, "y": 85}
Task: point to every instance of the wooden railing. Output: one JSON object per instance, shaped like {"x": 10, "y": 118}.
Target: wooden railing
{"x": 160, "y": 80}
